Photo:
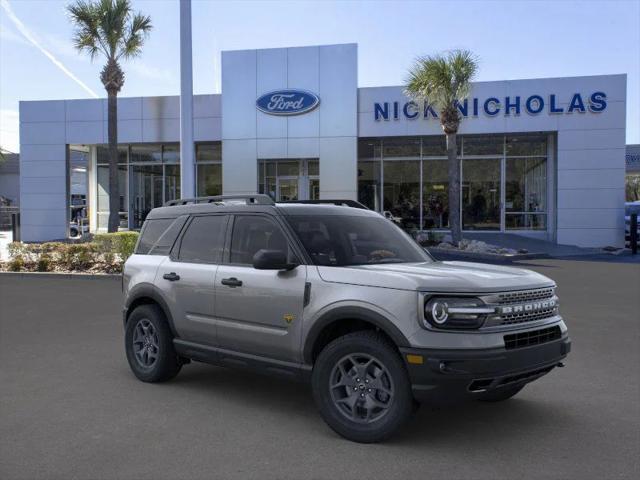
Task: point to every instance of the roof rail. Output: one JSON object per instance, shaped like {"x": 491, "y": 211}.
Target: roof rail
{"x": 339, "y": 202}
{"x": 258, "y": 199}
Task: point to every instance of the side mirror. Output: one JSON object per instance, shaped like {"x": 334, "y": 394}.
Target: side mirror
{"x": 272, "y": 260}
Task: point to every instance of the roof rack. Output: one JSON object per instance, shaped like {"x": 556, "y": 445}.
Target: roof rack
{"x": 340, "y": 203}
{"x": 221, "y": 199}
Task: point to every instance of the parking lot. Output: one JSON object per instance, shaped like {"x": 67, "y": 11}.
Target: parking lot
{"x": 70, "y": 408}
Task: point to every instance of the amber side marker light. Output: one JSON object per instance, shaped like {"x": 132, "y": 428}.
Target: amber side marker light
{"x": 415, "y": 359}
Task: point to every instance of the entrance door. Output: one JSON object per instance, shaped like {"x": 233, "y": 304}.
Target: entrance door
{"x": 289, "y": 180}
{"x": 481, "y": 194}
{"x": 314, "y": 188}
{"x": 287, "y": 189}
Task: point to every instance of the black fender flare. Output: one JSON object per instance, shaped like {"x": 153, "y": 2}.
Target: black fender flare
{"x": 147, "y": 290}
{"x": 351, "y": 313}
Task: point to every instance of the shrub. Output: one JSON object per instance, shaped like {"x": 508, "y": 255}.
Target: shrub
{"x": 16, "y": 248}
{"x": 120, "y": 243}
{"x": 16, "y": 264}
{"x": 44, "y": 263}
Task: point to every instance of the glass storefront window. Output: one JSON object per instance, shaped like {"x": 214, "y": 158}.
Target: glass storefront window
{"x": 401, "y": 147}
{"x": 313, "y": 167}
{"x": 209, "y": 180}
{"x": 209, "y": 152}
{"x": 102, "y": 154}
{"x": 526, "y": 145}
{"x": 435, "y": 194}
{"x": 369, "y": 184}
{"x": 102, "y": 194}
{"x": 483, "y": 145}
{"x": 171, "y": 182}
{"x": 369, "y": 149}
{"x": 434, "y": 146}
{"x": 146, "y": 191}
{"x": 525, "y": 193}
{"x": 402, "y": 192}
{"x": 146, "y": 153}
{"x": 481, "y": 194}
{"x": 171, "y": 153}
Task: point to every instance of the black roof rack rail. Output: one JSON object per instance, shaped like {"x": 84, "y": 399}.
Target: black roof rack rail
{"x": 339, "y": 202}
{"x": 257, "y": 199}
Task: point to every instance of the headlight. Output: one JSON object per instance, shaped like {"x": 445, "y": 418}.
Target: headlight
{"x": 455, "y": 312}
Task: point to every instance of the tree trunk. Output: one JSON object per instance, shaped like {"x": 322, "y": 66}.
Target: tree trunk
{"x": 454, "y": 189}
{"x": 114, "y": 190}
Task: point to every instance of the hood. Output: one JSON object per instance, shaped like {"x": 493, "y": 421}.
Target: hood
{"x": 437, "y": 277}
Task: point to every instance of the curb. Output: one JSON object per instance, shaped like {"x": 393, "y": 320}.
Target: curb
{"x": 449, "y": 254}
{"x": 56, "y": 275}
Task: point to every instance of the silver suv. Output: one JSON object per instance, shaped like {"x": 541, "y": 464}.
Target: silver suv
{"x": 337, "y": 296}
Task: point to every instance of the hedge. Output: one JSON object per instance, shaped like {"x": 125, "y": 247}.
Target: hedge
{"x": 104, "y": 253}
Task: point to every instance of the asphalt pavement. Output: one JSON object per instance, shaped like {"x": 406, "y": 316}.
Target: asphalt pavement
{"x": 71, "y": 409}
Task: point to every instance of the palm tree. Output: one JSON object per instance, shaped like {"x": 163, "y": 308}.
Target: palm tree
{"x": 442, "y": 81}
{"x": 112, "y": 29}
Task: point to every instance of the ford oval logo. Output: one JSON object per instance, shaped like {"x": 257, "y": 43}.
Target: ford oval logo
{"x": 287, "y": 102}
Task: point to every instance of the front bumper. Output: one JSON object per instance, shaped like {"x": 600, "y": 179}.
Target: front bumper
{"x": 445, "y": 373}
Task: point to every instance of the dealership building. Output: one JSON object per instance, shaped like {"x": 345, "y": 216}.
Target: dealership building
{"x": 543, "y": 158}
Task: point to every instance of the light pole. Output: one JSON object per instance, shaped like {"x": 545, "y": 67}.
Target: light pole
{"x": 187, "y": 147}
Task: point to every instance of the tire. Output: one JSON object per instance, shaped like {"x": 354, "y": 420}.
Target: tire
{"x": 147, "y": 329}
{"x": 500, "y": 394}
{"x": 367, "y": 409}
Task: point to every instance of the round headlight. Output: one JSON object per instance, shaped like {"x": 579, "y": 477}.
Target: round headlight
{"x": 455, "y": 312}
{"x": 439, "y": 312}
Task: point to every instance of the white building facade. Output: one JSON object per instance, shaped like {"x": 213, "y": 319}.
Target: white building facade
{"x": 541, "y": 157}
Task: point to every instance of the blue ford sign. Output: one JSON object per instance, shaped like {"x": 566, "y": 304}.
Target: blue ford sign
{"x": 287, "y": 102}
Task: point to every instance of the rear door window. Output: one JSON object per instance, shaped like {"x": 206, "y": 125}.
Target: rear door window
{"x": 151, "y": 232}
{"x": 168, "y": 238}
{"x": 203, "y": 240}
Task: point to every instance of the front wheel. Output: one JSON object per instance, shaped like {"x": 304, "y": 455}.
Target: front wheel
{"x": 149, "y": 345}
{"x": 361, "y": 387}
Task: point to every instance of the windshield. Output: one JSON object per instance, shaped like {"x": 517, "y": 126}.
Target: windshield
{"x": 342, "y": 240}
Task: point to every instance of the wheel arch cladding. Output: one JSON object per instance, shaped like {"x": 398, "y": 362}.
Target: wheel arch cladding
{"x": 146, "y": 294}
{"x": 344, "y": 320}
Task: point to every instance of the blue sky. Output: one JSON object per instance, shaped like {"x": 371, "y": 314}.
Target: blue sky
{"x": 513, "y": 39}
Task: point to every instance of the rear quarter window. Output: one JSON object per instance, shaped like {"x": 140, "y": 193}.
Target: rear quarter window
{"x": 158, "y": 235}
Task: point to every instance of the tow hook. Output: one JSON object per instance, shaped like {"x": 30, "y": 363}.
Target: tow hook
{"x": 560, "y": 364}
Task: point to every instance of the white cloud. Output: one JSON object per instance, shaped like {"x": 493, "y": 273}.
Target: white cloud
{"x": 34, "y": 41}
{"x": 9, "y": 127}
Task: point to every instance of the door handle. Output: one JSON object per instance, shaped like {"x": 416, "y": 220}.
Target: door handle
{"x": 231, "y": 282}
{"x": 172, "y": 277}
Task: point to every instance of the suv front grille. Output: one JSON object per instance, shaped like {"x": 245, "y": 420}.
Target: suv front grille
{"x": 509, "y": 298}
{"x": 524, "y": 297}
{"x": 535, "y": 337}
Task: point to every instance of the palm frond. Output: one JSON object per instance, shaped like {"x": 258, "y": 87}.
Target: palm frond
{"x": 139, "y": 28}
{"x": 108, "y": 27}
{"x": 442, "y": 79}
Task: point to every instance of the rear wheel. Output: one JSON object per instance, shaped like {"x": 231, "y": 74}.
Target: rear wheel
{"x": 361, "y": 387}
{"x": 499, "y": 394}
{"x": 149, "y": 345}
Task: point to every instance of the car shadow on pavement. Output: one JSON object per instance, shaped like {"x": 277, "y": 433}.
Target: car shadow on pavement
{"x": 467, "y": 423}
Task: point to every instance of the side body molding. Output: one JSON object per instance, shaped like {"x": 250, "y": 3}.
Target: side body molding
{"x": 351, "y": 313}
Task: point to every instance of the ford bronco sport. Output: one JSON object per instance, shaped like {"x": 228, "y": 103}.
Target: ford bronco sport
{"x": 338, "y": 296}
